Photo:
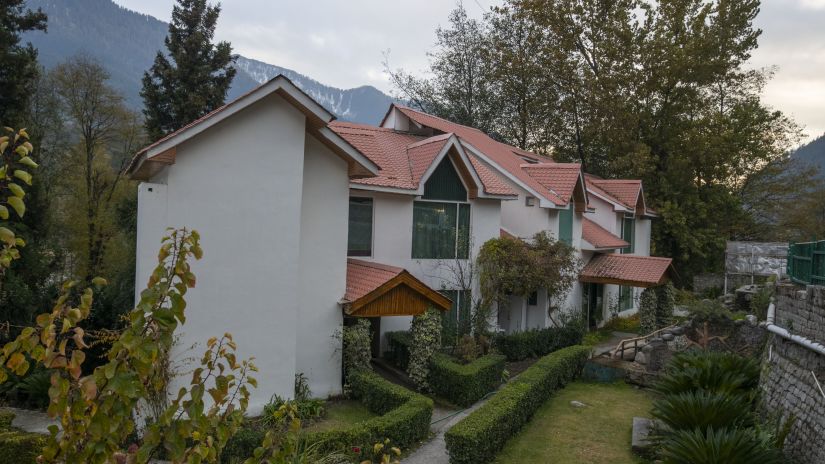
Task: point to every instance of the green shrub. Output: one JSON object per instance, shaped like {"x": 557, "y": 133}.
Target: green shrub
{"x": 479, "y": 436}
{"x": 21, "y": 447}
{"x": 426, "y": 339}
{"x": 710, "y": 371}
{"x": 6, "y": 418}
{"x": 405, "y": 417}
{"x": 534, "y": 343}
{"x": 242, "y": 445}
{"x": 356, "y": 342}
{"x": 713, "y": 446}
{"x": 464, "y": 384}
{"x": 398, "y": 344}
{"x": 701, "y": 409}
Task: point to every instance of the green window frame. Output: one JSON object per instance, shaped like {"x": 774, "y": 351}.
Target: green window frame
{"x": 456, "y": 321}
{"x": 625, "y": 298}
{"x": 629, "y": 234}
{"x": 566, "y": 225}
{"x": 440, "y": 230}
{"x": 359, "y": 238}
{"x": 533, "y": 299}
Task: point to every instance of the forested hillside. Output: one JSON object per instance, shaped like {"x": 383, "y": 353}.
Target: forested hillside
{"x": 813, "y": 153}
{"x": 126, "y": 42}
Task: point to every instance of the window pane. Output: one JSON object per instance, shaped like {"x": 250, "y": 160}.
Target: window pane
{"x": 359, "y": 241}
{"x": 625, "y": 298}
{"x": 628, "y": 234}
{"x": 444, "y": 183}
{"x": 566, "y": 225}
{"x": 463, "y": 231}
{"x": 434, "y": 230}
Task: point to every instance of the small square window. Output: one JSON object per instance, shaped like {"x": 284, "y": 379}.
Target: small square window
{"x": 533, "y": 299}
{"x": 529, "y": 201}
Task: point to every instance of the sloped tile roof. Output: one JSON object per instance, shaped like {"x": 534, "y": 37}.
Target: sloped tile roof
{"x": 403, "y": 158}
{"x": 507, "y": 157}
{"x": 559, "y": 178}
{"x": 600, "y": 237}
{"x": 633, "y": 270}
{"x": 365, "y": 276}
{"x": 623, "y": 191}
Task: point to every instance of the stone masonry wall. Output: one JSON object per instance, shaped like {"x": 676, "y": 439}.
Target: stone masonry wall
{"x": 788, "y": 387}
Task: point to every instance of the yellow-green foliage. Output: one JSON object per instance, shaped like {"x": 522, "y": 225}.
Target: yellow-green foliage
{"x": 464, "y": 384}
{"x": 15, "y": 164}
{"x": 17, "y": 446}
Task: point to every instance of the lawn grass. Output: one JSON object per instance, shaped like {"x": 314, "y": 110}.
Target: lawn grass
{"x": 340, "y": 413}
{"x": 599, "y": 433}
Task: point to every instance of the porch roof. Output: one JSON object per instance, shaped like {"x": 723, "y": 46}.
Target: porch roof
{"x": 625, "y": 269}
{"x": 600, "y": 237}
{"x": 375, "y": 290}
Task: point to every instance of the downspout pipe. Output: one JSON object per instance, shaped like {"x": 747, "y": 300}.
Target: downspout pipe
{"x": 782, "y": 332}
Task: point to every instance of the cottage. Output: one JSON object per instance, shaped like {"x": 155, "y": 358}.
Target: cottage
{"x": 306, "y": 221}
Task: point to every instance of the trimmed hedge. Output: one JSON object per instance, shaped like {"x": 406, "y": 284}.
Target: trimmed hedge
{"x": 18, "y": 446}
{"x": 482, "y": 434}
{"x": 536, "y": 343}
{"x": 398, "y": 344}
{"x": 464, "y": 384}
{"x": 405, "y": 416}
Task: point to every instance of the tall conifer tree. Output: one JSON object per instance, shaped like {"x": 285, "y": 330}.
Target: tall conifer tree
{"x": 195, "y": 76}
{"x": 18, "y": 63}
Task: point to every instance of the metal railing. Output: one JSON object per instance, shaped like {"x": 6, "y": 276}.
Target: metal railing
{"x": 623, "y": 345}
{"x": 806, "y": 263}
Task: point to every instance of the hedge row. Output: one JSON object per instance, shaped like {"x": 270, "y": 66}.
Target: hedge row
{"x": 464, "y": 384}
{"x": 482, "y": 434}
{"x": 404, "y": 416}
{"x": 535, "y": 343}
{"x": 398, "y": 348}
{"x": 18, "y": 446}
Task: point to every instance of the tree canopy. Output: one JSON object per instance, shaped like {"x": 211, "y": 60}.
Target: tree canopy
{"x": 194, "y": 78}
{"x": 18, "y": 63}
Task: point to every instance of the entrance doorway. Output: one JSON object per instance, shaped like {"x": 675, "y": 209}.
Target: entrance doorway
{"x": 593, "y": 304}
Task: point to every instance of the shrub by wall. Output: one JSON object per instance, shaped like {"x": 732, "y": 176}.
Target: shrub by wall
{"x": 18, "y": 446}
{"x": 535, "y": 343}
{"x": 479, "y": 436}
{"x": 404, "y": 416}
{"x": 464, "y": 384}
{"x": 398, "y": 352}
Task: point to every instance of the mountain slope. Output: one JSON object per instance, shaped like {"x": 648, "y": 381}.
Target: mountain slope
{"x": 126, "y": 42}
{"x": 813, "y": 153}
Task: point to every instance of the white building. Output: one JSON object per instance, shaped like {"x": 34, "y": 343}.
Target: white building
{"x": 306, "y": 221}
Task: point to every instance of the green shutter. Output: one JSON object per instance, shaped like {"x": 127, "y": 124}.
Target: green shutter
{"x": 566, "y": 225}
{"x": 444, "y": 184}
{"x": 434, "y": 230}
{"x": 359, "y": 239}
{"x": 628, "y": 234}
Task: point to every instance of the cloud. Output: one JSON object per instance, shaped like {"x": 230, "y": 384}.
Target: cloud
{"x": 813, "y": 4}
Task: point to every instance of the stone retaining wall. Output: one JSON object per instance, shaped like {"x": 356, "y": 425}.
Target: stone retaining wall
{"x": 788, "y": 387}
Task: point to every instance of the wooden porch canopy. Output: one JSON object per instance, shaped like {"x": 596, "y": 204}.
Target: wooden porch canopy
{"x": 375, "y": 290}
{"x": 630, "y": 270}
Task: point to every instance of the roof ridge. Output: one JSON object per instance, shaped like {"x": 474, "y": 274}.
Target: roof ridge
{"x": 375, "y": 265}
{"x": 429, "y": 140}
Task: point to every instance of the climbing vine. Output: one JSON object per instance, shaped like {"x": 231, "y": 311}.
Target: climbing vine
{"x": 426, "y": 339}
{"x": 511, "y": 266}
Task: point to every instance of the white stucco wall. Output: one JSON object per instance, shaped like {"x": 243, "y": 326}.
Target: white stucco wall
{"x": 324, "y": 217}
{"x": 240, "y": 185}
{"x": 642, "y": 234}
{"x": 392, "y": 242}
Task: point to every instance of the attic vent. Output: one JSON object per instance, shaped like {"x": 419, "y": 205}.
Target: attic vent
{"x": 529, "y": 201}
{"x": 530, "y": 160}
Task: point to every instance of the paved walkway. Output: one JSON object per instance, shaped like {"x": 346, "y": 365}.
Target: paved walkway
{"x": 435, "y": 450}
{"x": 31, "y": 421}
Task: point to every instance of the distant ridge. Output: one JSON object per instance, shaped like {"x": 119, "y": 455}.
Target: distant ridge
{"x": 126, "y": 42}
{"x": 813, "y": 153}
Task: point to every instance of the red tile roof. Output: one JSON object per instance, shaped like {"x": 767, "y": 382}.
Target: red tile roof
{"x": 403, "y": 158}
{"x": 623, "y": 191}
{"x": 365, "y": 276}
{"x": 633, "y": 270}
{"x": 559, "y": 178}
{"x": 600, "y": 237}
{"x": 507, "y": 157}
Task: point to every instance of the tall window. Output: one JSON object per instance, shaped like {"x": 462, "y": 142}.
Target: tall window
{"x": 629, "y": 233}
{"x": 566, "y": 225}
{"x": 441, "y": 221}
{"x": 456, "y": 321}
{"x": 625, "y": 298}
{"x": 359, "y": 241}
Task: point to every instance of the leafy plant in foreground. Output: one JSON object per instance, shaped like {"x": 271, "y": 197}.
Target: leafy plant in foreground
{"x": 713, "y": 446}
{"x": 710, "y": 371}
{"x": 702, "y": 409}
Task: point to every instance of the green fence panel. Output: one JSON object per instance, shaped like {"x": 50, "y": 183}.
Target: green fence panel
{"x": 806, "y": 263}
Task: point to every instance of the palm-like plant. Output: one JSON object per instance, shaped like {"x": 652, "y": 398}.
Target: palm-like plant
{"x": 716, "y": 446}
{"x": 711, "y": 372}
{"x": 701, "y": 409}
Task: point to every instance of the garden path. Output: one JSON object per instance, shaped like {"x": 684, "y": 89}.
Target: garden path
{"x": 30, "y": 420}
{"x": 435, "y": 450}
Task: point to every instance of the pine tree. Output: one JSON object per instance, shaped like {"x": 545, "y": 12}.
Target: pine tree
{"x": 18, "y": 63}
{"x": 195, "y": 76}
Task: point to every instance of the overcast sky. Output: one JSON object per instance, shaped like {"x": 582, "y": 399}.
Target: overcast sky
{"x": 341, "y": 42}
